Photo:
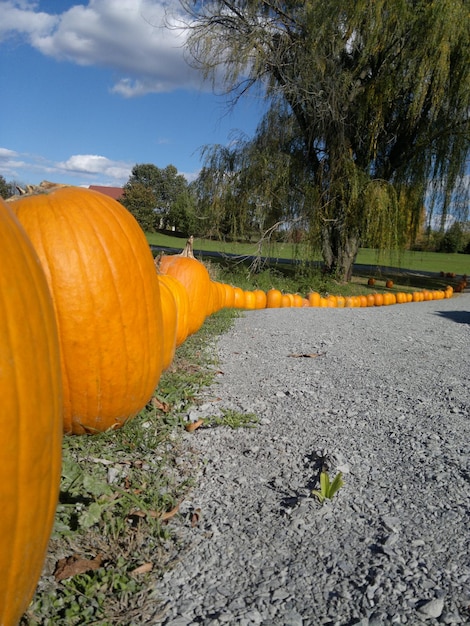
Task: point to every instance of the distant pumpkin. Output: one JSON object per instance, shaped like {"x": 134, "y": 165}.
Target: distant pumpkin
{"x": 193, "y": 275}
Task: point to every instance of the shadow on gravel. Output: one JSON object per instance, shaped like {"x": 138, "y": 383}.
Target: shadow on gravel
{"x": 461, "y": 317}
{"x": 316, "y": 463}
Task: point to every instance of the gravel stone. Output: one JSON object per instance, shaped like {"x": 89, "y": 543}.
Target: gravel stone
{"x": 433, "y": 608}
{"x": 387, "y": 403}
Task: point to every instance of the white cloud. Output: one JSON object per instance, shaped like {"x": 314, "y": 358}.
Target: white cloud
{"x": 22, "y": 18}
{"x": 86, "y": 169}
{"x": 6, "y": 154}
{"x": 93, "y": 164}
{"x": 129, "y": 37}
{"x": 11, "y": 163}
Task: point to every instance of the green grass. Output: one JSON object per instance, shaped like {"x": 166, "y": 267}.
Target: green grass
{"x": 417, "y": 261}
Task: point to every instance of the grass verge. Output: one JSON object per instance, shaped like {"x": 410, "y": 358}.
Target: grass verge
{"x": 112, "y": 536}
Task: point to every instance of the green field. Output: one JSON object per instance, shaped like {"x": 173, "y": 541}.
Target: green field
{"x": 418, "y": 261}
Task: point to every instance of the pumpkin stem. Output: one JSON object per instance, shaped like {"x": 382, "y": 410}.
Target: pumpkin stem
{"x": 44, "y": 187}
{"x": 188, "y": 249}
{"x": 187, "y": 252}
{"x": 158, "y": 260}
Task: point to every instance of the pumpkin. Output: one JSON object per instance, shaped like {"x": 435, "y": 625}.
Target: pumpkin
{"x": 193, "y": 275}
{"x": 286, "y": 300}
{"x": 222, "y": 295}
{"x": 273, "y": 298}
{"x": 30, "y": 418}
{"x": 250, "y": 300}
{"x": 314, "y": 298}
{"x": 371, "y": 282}
{"x": 229, "y": 295}
{"x": 238, "y": 298}
{"x": 182, "y": 306}
{"x": 389, "y": 284}
{"x": 213, "y": 299}
{"x": 106, "y": 296}
{"x": 260, "y": 299}
{"x": 169, "y": 321}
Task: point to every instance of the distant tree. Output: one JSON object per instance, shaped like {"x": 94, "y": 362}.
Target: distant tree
{"x": 6, "y": 189}
{"x": 165, "y": 185}
{"x": 452, "y": 240}
{"x": 140, "y": 201}
{"x": 377, "y": 97}
{"x": 182, "y": 213}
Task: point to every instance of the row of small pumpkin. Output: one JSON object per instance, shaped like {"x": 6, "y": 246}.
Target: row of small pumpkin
{"x": 274, "y": 298}
{"x": 87, "y": 325}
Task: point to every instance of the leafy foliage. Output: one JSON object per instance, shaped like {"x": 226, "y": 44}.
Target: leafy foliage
{"x": 328, "y": 488}
{"x": 158, "y": 198}
{"x": 6, "y": 189}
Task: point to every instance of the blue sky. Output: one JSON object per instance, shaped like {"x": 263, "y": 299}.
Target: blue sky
{"x": 89, "y": 90}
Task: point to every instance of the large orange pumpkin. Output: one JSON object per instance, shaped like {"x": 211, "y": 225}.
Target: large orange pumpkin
{"x": 30, "y": 418}
{"x": 106, "y": 296}
{"x": 193, "y": 275}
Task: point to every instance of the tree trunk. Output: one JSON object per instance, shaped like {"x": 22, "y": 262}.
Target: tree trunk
{"x": 339, "y": 250}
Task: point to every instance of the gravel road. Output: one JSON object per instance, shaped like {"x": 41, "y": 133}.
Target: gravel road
{"x": 380, "y": 394}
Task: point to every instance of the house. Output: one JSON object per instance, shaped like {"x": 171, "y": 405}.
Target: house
{"x": 113, "y": 192}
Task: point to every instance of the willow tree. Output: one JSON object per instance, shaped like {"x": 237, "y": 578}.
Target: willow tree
{"x": 379, "y": 92}
{"x": 245, "y": 189}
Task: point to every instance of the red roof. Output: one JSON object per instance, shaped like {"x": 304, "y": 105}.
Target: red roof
{"x": 112, "y": 192}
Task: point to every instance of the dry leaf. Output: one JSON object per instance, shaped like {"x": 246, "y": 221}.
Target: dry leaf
{"x": 169, "y": 514}
{"x": 164, "y": 517}
{"x": 73, "y": 565}
{"x": 161, "y": 406}
{"x": 193, "y": 425}
{"x": 143, "y": 569}
{"x": 195, "y": 517}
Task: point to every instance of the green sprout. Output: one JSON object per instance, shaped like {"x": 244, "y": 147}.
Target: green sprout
{"x": 327, "y": 488}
